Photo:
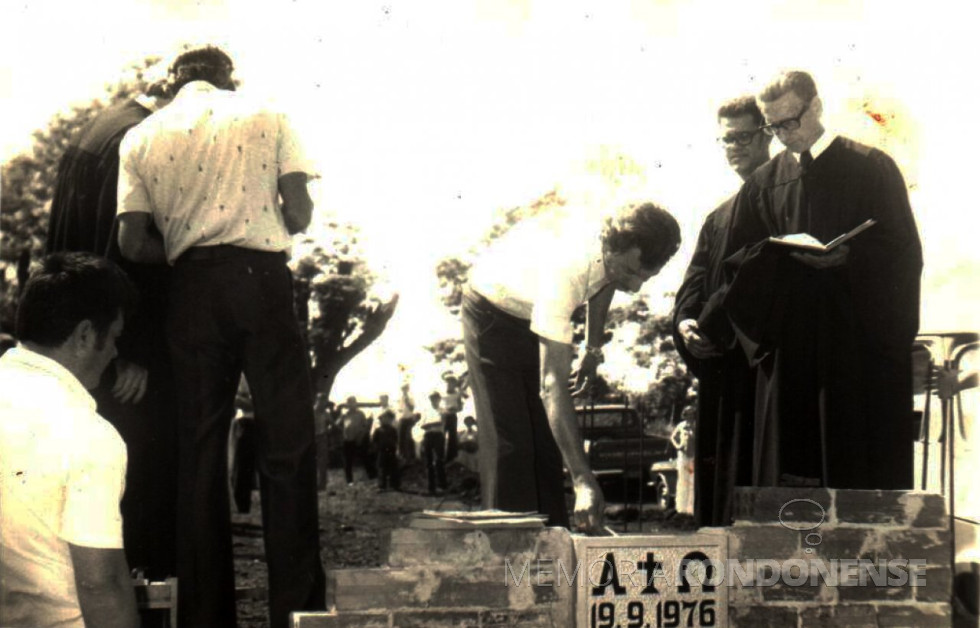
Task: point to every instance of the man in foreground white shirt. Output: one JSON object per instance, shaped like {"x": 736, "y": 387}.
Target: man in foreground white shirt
{"x": 62, "y": 466}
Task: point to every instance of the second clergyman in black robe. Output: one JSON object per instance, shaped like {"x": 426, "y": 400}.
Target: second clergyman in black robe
{"x": 833, "y": 345}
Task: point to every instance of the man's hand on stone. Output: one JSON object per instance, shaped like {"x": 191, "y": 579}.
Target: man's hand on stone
{"x": 695, "y": 341}
{"x": 590, "y": 506}
{"x": 833, "y": 259}
{"x": 130, "y": 382}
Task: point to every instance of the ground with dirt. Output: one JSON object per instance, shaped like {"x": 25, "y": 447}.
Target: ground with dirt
{"x": 355, "y": 522}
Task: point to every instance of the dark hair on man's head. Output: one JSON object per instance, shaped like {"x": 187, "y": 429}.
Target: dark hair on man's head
{"x": 68, "y": 288}
{"x": 206, "y": 63}
{"x": 647, "y": 226}
{"x": 797, "y": 81}
{"x": 741, "y": 106}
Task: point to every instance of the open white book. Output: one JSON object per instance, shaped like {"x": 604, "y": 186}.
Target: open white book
{"x": 806, "y": 242}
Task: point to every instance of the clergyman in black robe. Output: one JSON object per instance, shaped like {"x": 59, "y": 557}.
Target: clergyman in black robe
{"x": 723, "y": 442}
{"x": 83, "y": 213}
{"x": 831, "y": 333}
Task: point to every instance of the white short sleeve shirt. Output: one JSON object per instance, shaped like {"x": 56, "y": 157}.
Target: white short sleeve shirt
{"x": 542, "y": 270}
{"x": 62, "y": 474}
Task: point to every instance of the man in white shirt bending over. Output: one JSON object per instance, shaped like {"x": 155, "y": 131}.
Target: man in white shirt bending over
{"x": 517, "y": 333}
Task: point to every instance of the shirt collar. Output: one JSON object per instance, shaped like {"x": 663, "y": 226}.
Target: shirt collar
{"x": 33, "y": 361}
{"x": 820, "y": 145}
{"x": 196, "y": 87}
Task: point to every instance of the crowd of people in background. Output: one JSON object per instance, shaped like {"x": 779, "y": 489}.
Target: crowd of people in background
{"x": 369, "y": 436}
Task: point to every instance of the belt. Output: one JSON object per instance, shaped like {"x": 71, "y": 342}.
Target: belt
{"x": 226, "y": 251}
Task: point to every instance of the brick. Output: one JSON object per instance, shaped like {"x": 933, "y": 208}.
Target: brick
{"x": 410, "y": 547}
{"x": 529, "y": 618}
{"x": 885, "y": 508}
{"x": 340, "y": 620}
{"x": 927, "y": 510}
{"x": 938, "y": 587}
{"x": 756, "y": 616}
{"x": 373, "y": 589}
{"x": 841, "y": 543}
{"x": 917, "y": 616}
{"x": 840, "y": 616}
{"x": 759, "y": 541}
{"x": 783, "y": 592}
{"x": 436, "y": 619}
{"x": 932, "y": 546}
{"x": 763, "y": 505}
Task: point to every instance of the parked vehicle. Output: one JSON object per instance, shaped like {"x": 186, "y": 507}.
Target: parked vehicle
{"x": 624, "y": 456}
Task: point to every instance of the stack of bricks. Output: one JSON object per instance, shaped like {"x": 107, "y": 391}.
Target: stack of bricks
{"x": 783, "y": 524}
{"x": 472, "y": 578}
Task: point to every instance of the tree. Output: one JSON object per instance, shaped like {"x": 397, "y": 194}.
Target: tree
{"x": 333, "y": 284}
{"x": 334, "y": 304}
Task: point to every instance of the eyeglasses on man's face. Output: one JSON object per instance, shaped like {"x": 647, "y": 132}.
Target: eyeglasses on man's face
{"x": 742, "y": 138}
{"x": 789, "y": 124}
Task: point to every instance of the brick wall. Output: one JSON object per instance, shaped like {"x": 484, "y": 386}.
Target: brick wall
{"x": 824, "y": 525}
{"x": 459, "y": 577}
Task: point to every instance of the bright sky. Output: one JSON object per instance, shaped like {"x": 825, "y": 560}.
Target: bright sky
{"x": 426, "y": 117}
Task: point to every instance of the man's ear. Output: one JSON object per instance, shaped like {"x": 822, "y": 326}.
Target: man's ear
{"x": 817, "y": 106}
{"x": 84, "y": 337}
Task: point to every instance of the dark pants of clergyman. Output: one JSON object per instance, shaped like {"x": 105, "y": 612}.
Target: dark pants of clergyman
{"x": 520, "y": 463}
{"x": 232, "y": 311}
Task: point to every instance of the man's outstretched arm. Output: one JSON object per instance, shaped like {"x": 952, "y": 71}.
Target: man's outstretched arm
{"x": 556, "y": 366}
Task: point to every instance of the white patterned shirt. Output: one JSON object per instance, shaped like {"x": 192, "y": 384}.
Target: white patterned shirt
{"x": 207, "y": 168}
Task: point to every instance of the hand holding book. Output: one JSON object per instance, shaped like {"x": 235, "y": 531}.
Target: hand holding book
{"x": 804, "y": 242}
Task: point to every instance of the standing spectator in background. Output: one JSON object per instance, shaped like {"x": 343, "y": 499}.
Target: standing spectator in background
{"x": 357, "y": 430}
{"x": 452, "y": 403}
{"x": 406, "y": 421}
{"x": 434, "y": 443}
{"x": 222, "y": 177}
{"x": 62, "y": 466}
{"x": 726, "y": 395}
{"x": 136, "y": 394}
{"x": 385, "y": 440}
{"x": 322, "y": 417}
{"x": 683, "y": 440}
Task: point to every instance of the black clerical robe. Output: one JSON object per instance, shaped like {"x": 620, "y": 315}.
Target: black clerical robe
{"x": 833, "y": 346}
{"x": 83, "y": 218}
{"x": 723, "y": 431}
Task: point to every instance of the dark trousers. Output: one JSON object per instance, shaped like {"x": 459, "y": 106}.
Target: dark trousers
{"x": 451, "y": 420}
{"x": 149, "y": 429}
{"x": 352, "y": 449}
{"x": 406, "y": 444}
{"x": 388, "y": 471}
{"x": 232, "y": 311}
{"x": 433, "y": 450}
{"x": 322, "y": 459}
{"x": 520, "y": 463}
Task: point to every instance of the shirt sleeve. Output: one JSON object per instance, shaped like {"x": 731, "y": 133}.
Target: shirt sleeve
{"x": 292, "y": 156}
{"x": 131, "y": 193}
{"x": 96, "y": 481}
{"x": 561, "y": 288}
